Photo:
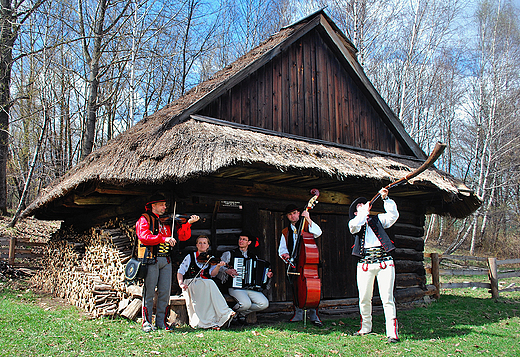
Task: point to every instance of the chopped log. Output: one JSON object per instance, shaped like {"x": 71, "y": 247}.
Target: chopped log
{"x": 123, "y": 305}
{"x": 132, "y": 310}
{"x": 135, "y": 291}
{"x": 251, "y": 318}
{"x": 102, "y": 287}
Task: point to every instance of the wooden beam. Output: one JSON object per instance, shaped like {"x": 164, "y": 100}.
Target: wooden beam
{"x": 98, "y": 200}
{"x": 244, "y": 188}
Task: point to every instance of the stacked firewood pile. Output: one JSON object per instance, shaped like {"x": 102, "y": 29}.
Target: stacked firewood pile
{"x": 87, "y": 269}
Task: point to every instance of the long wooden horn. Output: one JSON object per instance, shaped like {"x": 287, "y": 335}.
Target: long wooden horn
{"x": 437, "y": 151}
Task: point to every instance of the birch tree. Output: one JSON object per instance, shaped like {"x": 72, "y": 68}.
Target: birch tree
{"x": 493, "y": 119}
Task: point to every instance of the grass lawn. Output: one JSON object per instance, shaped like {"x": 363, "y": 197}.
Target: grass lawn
{"x": 462, "y": 322}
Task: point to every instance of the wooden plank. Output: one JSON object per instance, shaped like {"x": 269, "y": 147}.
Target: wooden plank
{"x": 300, "y": 115}
{"x": 435, "y": 274}
{"x": 314, "y": 97}
{"x": 321, "y": 80}
{"x": 259, "y": 115}
{"x": 268, "y": 96}
{"x": 508, "y": 261}
{"x": 465, "y": 285}
{"x": 198, "y": 232}
{"x": 463, "y": 257}
{"x": 337, "y": 104}
{"x": 245, "y": 102}
{"x": 285, "y": 94}
{"x": 21, "y": 242}
{"x": 464, "y": 272}
{"x": 277, "y": 95}
{"x": 308, "y": 89}
{"x": 293, "y": 125}
{"x": 509, "y": 275}
{"x": 332, "y": 68}
{"x": 254, "y": 97}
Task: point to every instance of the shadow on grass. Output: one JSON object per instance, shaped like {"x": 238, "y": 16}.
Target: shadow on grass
{"x": 450, "y": 316}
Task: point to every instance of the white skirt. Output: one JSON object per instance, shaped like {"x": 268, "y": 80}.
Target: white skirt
{"x": 206, "y": 306}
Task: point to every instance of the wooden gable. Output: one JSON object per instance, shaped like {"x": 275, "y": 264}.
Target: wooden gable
{"x": 311, "y": 91}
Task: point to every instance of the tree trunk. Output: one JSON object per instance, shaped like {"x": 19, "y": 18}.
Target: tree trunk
{"x": 8, "y": 34}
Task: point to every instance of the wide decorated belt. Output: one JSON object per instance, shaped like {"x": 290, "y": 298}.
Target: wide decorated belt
{"x": 375, "y": 255}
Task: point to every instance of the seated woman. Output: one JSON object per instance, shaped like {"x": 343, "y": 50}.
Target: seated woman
{"x": 206, "y": 306}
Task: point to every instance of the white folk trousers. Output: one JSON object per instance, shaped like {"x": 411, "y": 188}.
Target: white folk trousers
{"x": 385, "y": 274}
{"x": 249, "y": 300}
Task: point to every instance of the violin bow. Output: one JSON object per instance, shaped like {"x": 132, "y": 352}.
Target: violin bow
{"x": 435, "y": 154}
{"x": 201, "y": 269}
{"x": 173, "y": 219}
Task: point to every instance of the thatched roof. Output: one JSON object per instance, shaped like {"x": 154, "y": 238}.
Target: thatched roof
{"x": 201, "y": 147}
{"x": 172, "y": 146}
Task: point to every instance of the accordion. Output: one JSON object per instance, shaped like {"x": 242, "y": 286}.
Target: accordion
{"x": 252, "y": 273}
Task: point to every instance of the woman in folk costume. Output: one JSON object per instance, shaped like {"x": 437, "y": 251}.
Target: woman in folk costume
{"x": 206, "y": 306}
{"x": 373, "y": 246}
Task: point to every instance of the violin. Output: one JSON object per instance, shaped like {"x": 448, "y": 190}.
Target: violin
{"x": 179, "y": 218}
{"x": 207, "y": 258}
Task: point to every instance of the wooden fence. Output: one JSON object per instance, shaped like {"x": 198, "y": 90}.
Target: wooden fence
{"x": 11, "y": 248}
{"x": 492, "y": 272}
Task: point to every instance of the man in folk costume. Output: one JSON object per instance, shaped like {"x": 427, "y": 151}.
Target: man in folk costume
{"x": 155, "y": 245}
{"x": 373, "y": 246}
{"x": 249, "y": 300}
{"x": 287, "y": 241}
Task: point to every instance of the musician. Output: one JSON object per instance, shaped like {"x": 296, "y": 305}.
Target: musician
{"x": 289, "y": 237}
{"x": 206, "y": 306}
{"x": 156, "y": 241}
{"x": 373, "y": 246}
{"x": 248, "y": 300}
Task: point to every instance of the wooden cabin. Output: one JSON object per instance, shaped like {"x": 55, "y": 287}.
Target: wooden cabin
{"x": 295, "y": 113}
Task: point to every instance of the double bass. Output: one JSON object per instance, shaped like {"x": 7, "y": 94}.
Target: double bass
{"x": 302, "y": 270}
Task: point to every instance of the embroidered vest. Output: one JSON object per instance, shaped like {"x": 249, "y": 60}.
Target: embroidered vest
{"x": 289, "y": 243}
{"x": 194, "y": 269}
{"x": 358, "y": 249}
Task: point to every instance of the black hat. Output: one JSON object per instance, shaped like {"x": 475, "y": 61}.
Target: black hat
{"x": 156, "y": 198}
{"x": 246, "y": 233}
{"x": 290, "y": 208}
{"x": 353, "y": 205}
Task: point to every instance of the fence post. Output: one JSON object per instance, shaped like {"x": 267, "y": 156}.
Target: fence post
{"x": 12, "y": 246}
{"x": 493, "y": 277}
{"x": 435, "y": 275}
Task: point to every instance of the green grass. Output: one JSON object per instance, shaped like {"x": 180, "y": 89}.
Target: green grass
{"x": 462, "y": 322}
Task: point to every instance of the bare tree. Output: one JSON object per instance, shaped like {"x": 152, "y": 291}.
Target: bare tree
{"x": 13, "y": 14}
{"x": 96, "y": 35}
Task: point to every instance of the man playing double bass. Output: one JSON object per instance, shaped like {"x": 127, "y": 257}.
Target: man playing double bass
{"x": 285, "y": 249}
